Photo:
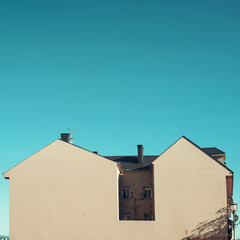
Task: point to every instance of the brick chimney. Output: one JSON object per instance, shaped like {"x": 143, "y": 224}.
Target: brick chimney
{"x": 140, "y": 154}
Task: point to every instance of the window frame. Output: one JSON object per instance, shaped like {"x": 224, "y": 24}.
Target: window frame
{"x": 146, "y": 190}
{"x": 126, "y": 192}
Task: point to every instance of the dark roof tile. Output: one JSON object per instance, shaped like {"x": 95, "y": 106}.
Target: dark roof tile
{"x": 130, "y": 163}
{"x": 213, "y": 151}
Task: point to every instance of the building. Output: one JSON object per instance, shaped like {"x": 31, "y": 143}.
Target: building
{"x": 66, "y": 192}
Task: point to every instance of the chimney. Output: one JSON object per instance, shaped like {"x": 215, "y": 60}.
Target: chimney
{"x": 140, "y": 154}
{"x": 65, "y": 137}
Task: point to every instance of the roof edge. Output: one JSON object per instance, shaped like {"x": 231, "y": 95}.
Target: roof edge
{"x": 166, "y": 150}
{"x": 207, "y": 154}
{"x": 194, "y": 144}
{"x": 88, "y": 151}
{"x": 5, "y": 173}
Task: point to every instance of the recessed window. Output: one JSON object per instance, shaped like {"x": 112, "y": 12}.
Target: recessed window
{"x": 148, "y": 217}
{"x": 126, "y": 192}
{"x": 147, "y": 192}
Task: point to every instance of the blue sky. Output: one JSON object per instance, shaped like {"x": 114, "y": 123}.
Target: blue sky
{"x": 120, "y": 72}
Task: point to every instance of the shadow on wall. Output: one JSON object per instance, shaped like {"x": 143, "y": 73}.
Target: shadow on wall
{"x": 216, "y": 228}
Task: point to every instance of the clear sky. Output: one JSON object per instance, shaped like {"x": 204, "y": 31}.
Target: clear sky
{"x": 122, "y": 73}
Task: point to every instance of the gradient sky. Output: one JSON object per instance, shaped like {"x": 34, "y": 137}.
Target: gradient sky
{"x": 122, "y": 73}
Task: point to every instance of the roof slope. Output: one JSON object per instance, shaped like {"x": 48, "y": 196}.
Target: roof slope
{"x": 208, "y": 153}
{"x": 130, "y": 163}
{"x": 210, "y": 150}
{"x": 213, "y": 151}
{"x": 53, "y": 150}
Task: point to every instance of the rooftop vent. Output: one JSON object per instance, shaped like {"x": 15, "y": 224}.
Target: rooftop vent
{"x": 140, "y": 154}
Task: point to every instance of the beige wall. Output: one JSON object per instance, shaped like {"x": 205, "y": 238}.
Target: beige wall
{"x": 65, "y": 192}
{"x": 190, "y": 193}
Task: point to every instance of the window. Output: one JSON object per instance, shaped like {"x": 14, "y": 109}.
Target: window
{"x": 147, "y": 192}
{"x": 126, "y": 216}
{"x": 148, "y": 217}
{"x": 126, "y": 192}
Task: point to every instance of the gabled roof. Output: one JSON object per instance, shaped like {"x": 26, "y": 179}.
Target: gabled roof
{"x": 130, "y": 163}
{"x": 5, "y": 173}
{"x": 210, "y": 155}
{"x": 205, "y": 152}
